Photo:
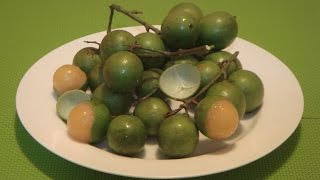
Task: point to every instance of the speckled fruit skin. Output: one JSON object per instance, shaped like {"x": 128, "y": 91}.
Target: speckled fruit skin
{"x": 252, "y": 87}
{"x": 123, "y": 71}
{"x": 230, "y": 91}
{"x": 114, "y": 41}
{"x": 178, "y": 136}
{"x": 218, "y": 28}
{"x": 126, "y": 135}
{"x": 86, "y": 59}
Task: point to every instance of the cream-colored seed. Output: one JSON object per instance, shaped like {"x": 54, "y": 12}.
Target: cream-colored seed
{"x": 68, "y": 77}
{"x": 222, "y": 120}
{"x": 80, "y": 122}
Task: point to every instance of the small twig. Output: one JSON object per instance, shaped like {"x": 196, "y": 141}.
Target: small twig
{"x": 132, "y": 15}
{"x": 135, "y": 48}
{"x": 92, "y": 42}
{"x": 193, "y": 99}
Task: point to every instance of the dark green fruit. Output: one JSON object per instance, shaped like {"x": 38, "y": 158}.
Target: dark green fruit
{"x": 148, "y": 40}
{"x": 230, "y": 91}
{"x": 126, "y": 135}
{"x": 188, "y": 7}
{"x": 118, "y": 40}
{"x": 252, "y": 88}
{"x": 95, "y": 77}
{"x": 178, "y": 136}
{"x": 220, "y": 56}
{"x": 152, "y": 112}
{"x": 208, "y": 71}
{"x": 86, "y": 59}
{"x": 123, "y": 71}
{"x": 148, "y": 86}
{"x": 179, "y": 31}
{"x": 219, "y": 29}
{"x": 117, "y": 103}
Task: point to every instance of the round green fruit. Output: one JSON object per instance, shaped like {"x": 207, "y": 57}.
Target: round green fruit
{"x": 181, "y": 60}
{"x": 208, "y": 71}
{"x": 126, "y": 135}
{"x": 88, "y": 122}
{"x": 95, "y": 77}
{"x": 148, "y": 40}
{"x": 117, "y": 103}
{"x": 221, "y": 56}
{"x": 179, "y": 31}
{"x": 187, "y": 7}
{"x": 117, "y": 40}
{"x": 252, "y": 88}
{"x": 123, "y": 71}
{"x": 219, "y": 29}
{"x": 216, "y": 117}
{"x": 86, "y": 59}
{"x": 152, "y": 112}
{"x": 230, "y": 91}
{"x": 178, "y": 136}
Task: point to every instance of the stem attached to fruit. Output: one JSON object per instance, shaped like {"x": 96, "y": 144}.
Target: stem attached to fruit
{"x": 152, "y": 53}
{"x": 132, "y": 15}
{"x": 193, "y": 99}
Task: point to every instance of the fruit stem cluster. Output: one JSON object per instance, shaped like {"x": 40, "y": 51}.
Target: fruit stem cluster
{"x": 132, "y": 15}
{"x": 185, "y": 104}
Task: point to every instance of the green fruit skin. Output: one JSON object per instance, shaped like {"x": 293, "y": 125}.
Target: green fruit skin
{"x": 188, "y": 7}
{"x": 153, "y": 42}
{"x": 123, "y": 71}
{"x": 149, "y": 74}
{"x": 208, "y": 71}
{"x": 252, "y": 87}
{"x": 117, "y": 103}
{"x": 182, "y": 60}
{"x": 117, "y": 40}
{"x": 86, "y": 59}
{"x": 95, "y": 77}
{"x": 102, "y": 118}
{"x": 220, "y": 56}
{"x": 148, "y": 86}
{"x": 126, "y": 135}
{"x": 179, "y": 31}
{"x": 178, "y": 136}
{"x": 231, "y": 92}
{"x": 152, "y": 112}
{"x": 201, "y": 112}
{"x": 219, "y": 29}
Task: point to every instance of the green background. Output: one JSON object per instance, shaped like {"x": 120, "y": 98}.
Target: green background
{"x": 30, "y": 29}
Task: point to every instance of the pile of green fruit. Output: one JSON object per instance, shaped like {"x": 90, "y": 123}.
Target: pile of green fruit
{"x": 96, "y": 92}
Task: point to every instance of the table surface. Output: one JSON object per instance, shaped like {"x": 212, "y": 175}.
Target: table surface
{"x": 290, "y": 30}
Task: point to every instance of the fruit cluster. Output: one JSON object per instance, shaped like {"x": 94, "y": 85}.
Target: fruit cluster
{"x": 184, "y": 62}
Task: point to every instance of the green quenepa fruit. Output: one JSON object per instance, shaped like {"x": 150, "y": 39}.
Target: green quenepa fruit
{"x": 95, "y": 77}
{"x": 188, "y": 7}
{"x": 149, "y": 86}
{"x": 208, "y": 71}
{"x": 221, "y": 56}
{"x": 216, "y": 117}
{"x": 252, "y": 87}
{"x": 117, "y": 40}
{"x": 152, "y": 112}
{"x": 230, "y": 91}
{"x": 180, "y": 31}
{"x": 178, "y": 136}
{"x": 218, "y": 28}
{"x": 88, "y": 122}
{"x": 117, "y": 103}
{"x": 126, "y": 135}
{"x": 123, "y": 71}
{"x": 86, "y": 59}
{"x": 181, "y": 60}
{"x": 147, "y": 74}
{"x": 148, "y": 40}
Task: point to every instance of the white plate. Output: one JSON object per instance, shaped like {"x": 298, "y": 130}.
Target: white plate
{"x": 260, "y": 133}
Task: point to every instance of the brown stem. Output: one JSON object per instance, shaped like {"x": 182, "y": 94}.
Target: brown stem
{"x": 181, "y": 52}
{"x": 193, "y": 99}
{"x": 92, "y": 42}
{"x": 132, "y": 15}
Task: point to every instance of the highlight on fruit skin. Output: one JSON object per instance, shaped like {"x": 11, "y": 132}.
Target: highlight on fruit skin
{"x": 88, "y": 122}
{"x": 216, "y": 117}
{"x": 68, "y": 77}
